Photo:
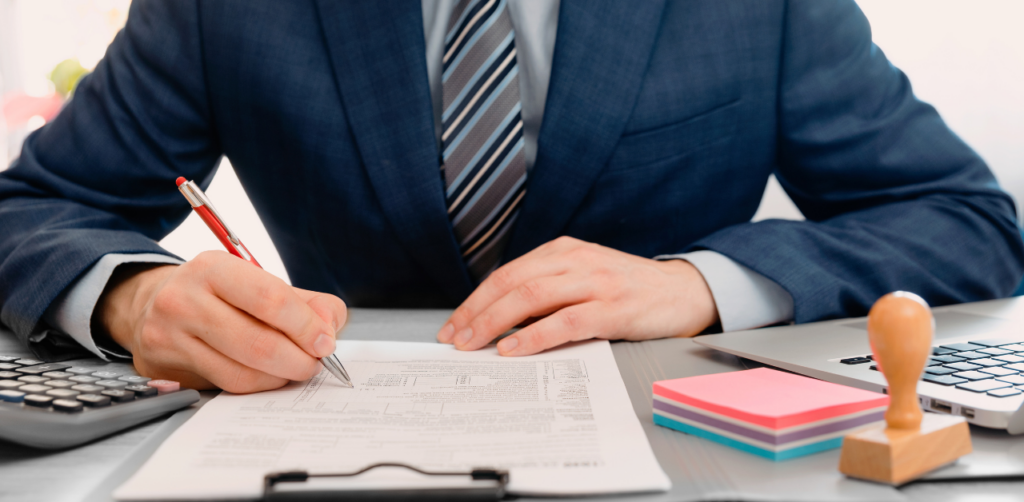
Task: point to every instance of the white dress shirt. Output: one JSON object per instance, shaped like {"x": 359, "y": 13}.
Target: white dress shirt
{"x": 744, "y": 298}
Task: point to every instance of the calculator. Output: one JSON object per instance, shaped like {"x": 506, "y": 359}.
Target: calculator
{"x": 57, "y": 405}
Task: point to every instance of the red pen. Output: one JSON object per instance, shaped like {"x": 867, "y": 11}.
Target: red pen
{"x": 204, "y": 208}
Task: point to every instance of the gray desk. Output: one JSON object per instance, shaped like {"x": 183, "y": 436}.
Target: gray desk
{"x": 700, "y": 470}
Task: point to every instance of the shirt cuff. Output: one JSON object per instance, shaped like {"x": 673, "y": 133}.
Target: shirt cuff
{"x": 745, "y": 299}
{"x": 71, "y": 312}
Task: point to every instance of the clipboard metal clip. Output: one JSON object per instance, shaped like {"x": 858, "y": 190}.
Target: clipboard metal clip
{"x": 487, "y": 484}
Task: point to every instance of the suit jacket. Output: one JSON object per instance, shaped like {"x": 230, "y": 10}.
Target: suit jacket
{"x": 663, "y": 123}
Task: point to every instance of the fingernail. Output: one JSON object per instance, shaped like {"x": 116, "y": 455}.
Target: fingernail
{"x": 508, "y": 345}
{"x": 446, "y": 333}
{"x": 324, "y": 345}
{"x": 463, "y": 336}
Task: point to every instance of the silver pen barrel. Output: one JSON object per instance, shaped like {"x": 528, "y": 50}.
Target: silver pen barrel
{"x": 333, "y": 365}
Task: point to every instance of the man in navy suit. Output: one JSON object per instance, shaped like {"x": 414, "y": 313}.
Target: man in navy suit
{"x": 591, "y": 166}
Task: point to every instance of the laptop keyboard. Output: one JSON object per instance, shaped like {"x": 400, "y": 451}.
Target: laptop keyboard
{"x": 993, "y": 367}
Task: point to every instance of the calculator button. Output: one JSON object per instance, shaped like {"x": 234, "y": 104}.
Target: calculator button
{"x": 942, "y": 379}
{"x": 81, "y": 371}
{"x": 112, "y": 384}
{"x": 34, "y": 388}
{"x": 87, "y": 387}
{"x": 93, "y": 400}
{"x": 963, "y": 346}
{"x": 13, "y": 375}
{"x": 8, "y": 359}
{"x": 988, "y": 362}
{"x": 12, "y": 396}
{"x": 165, "y": 386}
{"x": 963, "y": 366}
{"x": 972, "y": 375}
{"x": 1004, "y": 392}
{"x": 1010, "y": 358}
{"x": 1014, "y": 379}
{"x": 62, "y": 393}
{"x": 38, "y": 400}
{"x": 33, "y": 379}
{"x": 84, "y": 379}
{"x": 67, "y": 405}
{"x": 133, "y": 379}
{"x": 61, "y": 384}
{"x": 106, "y": 375}
{"x": 66, "y": 375}
{"x": 142, "y": 390}
{"x": 939, "y": 370}
{"x": 998, "y": 371}
{"x": 119, "y": 395}
{"x": 971, "y": 355}
{"x": 9, "y": 366}
{"x": 39, "y": 369}
{"x": 982, "y": 385}
{"x": 10, "y": 384}
{"x": 855, "y": 360}
{"x": 28, "y": 362}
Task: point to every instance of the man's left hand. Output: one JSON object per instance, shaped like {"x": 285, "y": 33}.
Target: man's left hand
{"x": 574, "y": 290}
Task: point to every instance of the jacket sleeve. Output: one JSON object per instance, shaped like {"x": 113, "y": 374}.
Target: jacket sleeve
{"x": 99, "y": 178}
{"x": 894, "y": 200}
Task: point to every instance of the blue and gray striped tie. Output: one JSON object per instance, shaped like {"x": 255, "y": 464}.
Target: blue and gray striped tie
{"x": 482, "y": 138}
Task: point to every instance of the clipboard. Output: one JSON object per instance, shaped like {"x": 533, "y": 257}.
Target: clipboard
{"x": 475, "y": 485}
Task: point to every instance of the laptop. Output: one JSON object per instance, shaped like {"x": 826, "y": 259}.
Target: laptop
{"x": 976, "y": 369}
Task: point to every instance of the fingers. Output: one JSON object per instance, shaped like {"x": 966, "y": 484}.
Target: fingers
{"x": 268, "y": 299}
{"x": 248, "y": 341}
{"x": 574, "y": 323}
{"x": 533, "y": 298}
{"x": 330, "y": 308}
{"x": 208, "y": 367}
{"x": 496, "y": 286}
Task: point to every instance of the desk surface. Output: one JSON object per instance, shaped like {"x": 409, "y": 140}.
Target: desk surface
{"x": 699, "y": 469}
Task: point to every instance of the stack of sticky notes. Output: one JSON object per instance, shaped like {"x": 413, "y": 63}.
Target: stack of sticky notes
{"x": 770, "y": 413}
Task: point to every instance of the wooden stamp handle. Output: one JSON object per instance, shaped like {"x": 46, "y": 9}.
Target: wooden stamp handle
{"x": 900, "y": 328}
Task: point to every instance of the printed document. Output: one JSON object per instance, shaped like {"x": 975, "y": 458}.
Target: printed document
{"x": 560, "y": 422}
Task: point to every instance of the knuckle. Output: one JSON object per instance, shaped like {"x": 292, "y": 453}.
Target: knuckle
{"x": 532, "y": 292}
{"x": 503, "y": 279}
{"x": 272, "y": 299}
{"x": 260, "y": 348}
{"x": 572, "y": 320}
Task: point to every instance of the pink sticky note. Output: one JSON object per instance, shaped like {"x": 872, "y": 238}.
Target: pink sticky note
{"x": 164, "y": 386}
{"x": 768, "y": 397}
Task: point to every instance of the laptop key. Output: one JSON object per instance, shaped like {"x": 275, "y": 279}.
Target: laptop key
{"x": 1010, "y": 358}
{"x": 995, "y": 342}
{"x": 1014, "y": 379}
{"x": 963, "y": 346}
{"x": 939, "y": 351}
{"x": 999, "y": 372}
{"x": 972, "y": 375}
{"x": 988, "y": 362}
{"x": 970, "y": 354}
{"x": 963, "y": 366}
{"x": 1016, "y": 366}
{"x": 953, "y": 359}
{"x": 942, "y": 379}
{"x": 1015, "y": 347}
{"x": 995, "y": 351}
{"x": 940, "y": 370}
{"x": 855, "y": 360}
{"x": 1004, "y": 392}
{"x": 982, "y": 385}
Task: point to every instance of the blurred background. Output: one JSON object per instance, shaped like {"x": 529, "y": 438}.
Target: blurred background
{"x": 965, "y": 58}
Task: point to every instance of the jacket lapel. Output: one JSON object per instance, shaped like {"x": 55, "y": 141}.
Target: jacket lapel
{"x": 378, "y": 53}
{"x": 601, "y": 53}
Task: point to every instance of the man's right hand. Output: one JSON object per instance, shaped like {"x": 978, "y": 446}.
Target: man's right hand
{"x": 218, "y": 321}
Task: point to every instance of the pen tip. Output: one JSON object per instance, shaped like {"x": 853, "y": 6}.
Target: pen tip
{"x": 180, "y": 180}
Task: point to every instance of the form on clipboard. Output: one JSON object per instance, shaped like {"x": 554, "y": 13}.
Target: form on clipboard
{"x": 560, "y": 423}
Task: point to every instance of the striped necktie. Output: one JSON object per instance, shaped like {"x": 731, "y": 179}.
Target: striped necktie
{"x": 483, "y": 162}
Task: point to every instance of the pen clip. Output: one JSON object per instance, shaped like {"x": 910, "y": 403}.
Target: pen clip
{"x": 197, "y": 198}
